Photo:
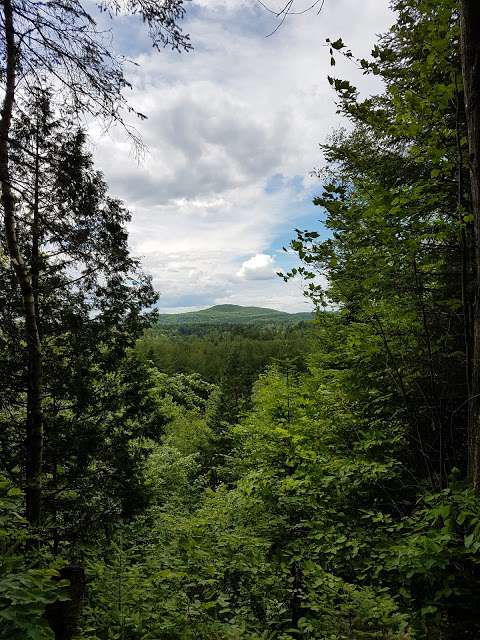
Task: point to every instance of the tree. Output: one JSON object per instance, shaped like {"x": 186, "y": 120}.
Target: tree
{"x": 469, "y": 11}
{"x": 470, "y": 41}
{"x": 91, "y": 300}
{"x": 58, "y": 43}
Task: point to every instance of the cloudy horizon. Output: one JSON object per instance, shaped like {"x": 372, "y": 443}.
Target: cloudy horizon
{"x": 232, "y": 134}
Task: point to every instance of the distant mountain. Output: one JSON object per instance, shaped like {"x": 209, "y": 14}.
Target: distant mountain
{"x": 222, "y": 314}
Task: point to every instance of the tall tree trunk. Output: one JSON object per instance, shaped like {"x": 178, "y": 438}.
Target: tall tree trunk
{"x": 35, "y": 257}
{"x": 470, "y": 46}
{"x": 34, "y": 422}
{"x": 465, "y": 246}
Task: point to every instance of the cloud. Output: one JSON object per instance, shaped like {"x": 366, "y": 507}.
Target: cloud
{"x": 232, "y": 135}
{"x": 260, "y": 267}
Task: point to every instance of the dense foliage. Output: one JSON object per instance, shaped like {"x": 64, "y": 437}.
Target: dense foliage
{"x": 228, "y": 355}
{"x": 260, "y": 481}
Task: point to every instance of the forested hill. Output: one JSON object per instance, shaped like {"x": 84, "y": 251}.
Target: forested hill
{"x": 233, "y": 314}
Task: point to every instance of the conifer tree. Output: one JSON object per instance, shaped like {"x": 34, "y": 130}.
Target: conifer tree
{"x": 57, "y": 44}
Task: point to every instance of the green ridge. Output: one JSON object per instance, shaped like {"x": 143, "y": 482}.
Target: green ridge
{"x": 233, "y": 314}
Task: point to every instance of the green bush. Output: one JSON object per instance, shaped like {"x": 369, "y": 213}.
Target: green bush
{"x": 27, "y": 580}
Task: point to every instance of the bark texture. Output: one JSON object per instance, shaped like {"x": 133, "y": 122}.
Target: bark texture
{"x": 470, "y": 46}
{"x": 34, "y": 423}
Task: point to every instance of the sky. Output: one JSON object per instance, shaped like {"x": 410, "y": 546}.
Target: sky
{"x": 232, "y": 137}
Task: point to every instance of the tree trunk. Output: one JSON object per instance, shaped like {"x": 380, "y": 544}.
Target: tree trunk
{"x": 36, "y": 239}
{"x": 63, "y": 617}
{"x": 34, "y": 422}
{"x": 470, "y": 50}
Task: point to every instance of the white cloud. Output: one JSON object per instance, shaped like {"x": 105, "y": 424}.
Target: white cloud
{"x": 260, "y": 267}
{"x": 222, "y": 122}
